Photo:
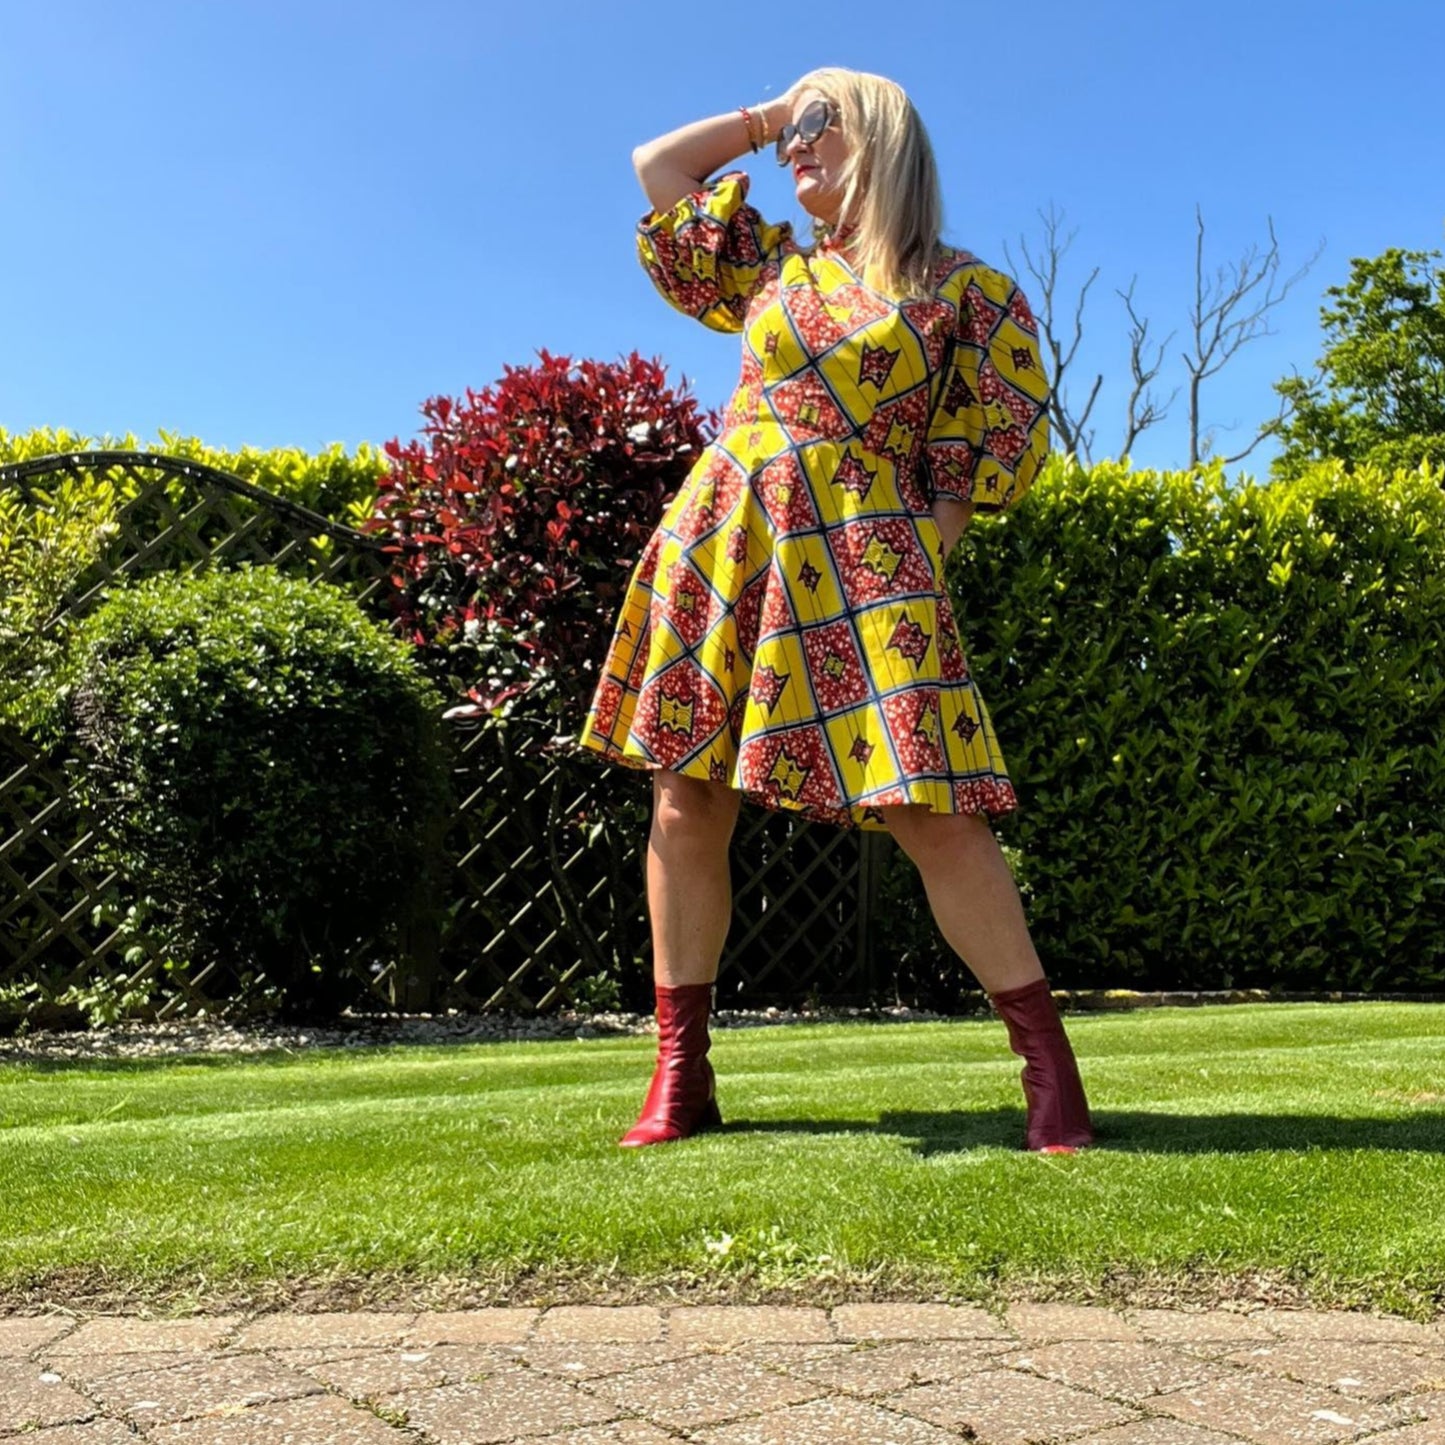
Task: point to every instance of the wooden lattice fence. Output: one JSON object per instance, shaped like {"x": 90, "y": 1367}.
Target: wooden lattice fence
{"x": 545, "y": 847}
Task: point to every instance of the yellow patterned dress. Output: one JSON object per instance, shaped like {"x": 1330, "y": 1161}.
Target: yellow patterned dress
{"x": 786, "y": 631}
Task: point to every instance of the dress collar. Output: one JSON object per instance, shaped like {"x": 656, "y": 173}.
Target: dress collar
{"x": 841, "y": 240}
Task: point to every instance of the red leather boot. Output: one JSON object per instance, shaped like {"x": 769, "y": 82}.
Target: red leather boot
{"x": 1058, "y": 1112}
{"x": 680, "y": 1101}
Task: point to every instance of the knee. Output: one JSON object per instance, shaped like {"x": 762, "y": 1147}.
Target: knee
{"x": 690, "y": 813}
{"x": 938, "y": 840}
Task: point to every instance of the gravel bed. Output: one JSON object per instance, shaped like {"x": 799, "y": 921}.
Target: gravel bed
{"x": 357, "y": 1031}
{"x": 197, "y": 1036}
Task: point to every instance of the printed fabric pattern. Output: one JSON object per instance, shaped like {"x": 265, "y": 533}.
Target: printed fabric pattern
{"x": 786, "y": 630}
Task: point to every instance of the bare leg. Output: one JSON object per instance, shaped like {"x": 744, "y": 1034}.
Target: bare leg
{"x": 689, "y": 898}
{"x": 689, "y": 893}
{"x": 977, "y": 908}
{"x": 971, "y": 892}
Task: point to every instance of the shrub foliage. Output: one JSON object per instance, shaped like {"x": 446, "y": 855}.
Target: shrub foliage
{"x": 519, "y": 513}
{"x": 1222, "y": 705}
{"x": 268, "y": 766}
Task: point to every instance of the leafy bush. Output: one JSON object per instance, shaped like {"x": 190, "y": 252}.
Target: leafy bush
{"x": 519, "y": 514}
{"x": 1221, "y": 705}
{"x": 269, "y": 770}
{"x": 48, "y": 541}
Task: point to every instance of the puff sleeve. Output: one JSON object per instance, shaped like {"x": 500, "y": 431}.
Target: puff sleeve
{"x": 711, "y": 252}
{"x": 988, "y": 433}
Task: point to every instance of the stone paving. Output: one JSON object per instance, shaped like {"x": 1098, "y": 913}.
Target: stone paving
{"x": 885, "y": 1374}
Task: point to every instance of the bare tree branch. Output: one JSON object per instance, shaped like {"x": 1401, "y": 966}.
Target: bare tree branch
{"x": 1143, "y": 408}
{"x": 1231, "y": 308}
{"x": 1286, "y": 411}
{"x": 1070, "y": 428}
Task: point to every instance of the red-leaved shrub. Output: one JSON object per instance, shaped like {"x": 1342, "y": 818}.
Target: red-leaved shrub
{"x": 518, "y": 513}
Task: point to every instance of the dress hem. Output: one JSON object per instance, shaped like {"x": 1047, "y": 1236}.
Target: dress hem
{"x": 866, "y": 817}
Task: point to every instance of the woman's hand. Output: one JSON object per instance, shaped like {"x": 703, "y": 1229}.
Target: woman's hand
{"x": 952, "y": 518}
{"x": 775, "y": 113}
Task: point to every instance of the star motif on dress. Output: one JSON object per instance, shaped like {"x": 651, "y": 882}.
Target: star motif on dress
{"x": 880, "y": 558}
{"x": 834, "y": 667}
{"x": 861, "y": 751}
{"x": 624, "y": 628}
{"x": 729, "y": 659}
{"x": 767, "y": 688}
{"x": 808, "y": 413}
{"x": 910, "y": 640}
{"x": 738, "y": 544}
{"x": 875, "y": 363}
{"x": 954, "y": 462}
{"x": 789, "y": 774}
{"x": 700, "y": 264}
{"x": 706, "y": 496}
{"x": 853, "y": 476}
{"x": 959, "y": 395}
{"x": 899, "y": 444}
{"x": 1023, "y": 358}
{"x": 809, "y": 576}
{"x": 674, "y": 714}
{"x": 927, "y": 725}
{"x": 686, "y": 602}
{"x": 770, "y": 342}
{"x": 965, "y": 727}
{"x": 717, "y": 770}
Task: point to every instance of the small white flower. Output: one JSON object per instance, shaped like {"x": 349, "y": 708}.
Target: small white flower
{"x": 720, "y": 1245}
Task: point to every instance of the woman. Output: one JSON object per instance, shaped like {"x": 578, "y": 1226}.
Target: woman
{"x": 786, "y": 634}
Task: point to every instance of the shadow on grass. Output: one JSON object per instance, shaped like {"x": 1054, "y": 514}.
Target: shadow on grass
{"x": 1132, "y": 1131}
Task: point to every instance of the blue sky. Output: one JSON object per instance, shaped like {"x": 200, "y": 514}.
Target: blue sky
{"x": 287, "y": 222}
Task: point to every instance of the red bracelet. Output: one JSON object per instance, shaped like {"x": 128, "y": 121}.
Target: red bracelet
{"x": 748, "y": 126}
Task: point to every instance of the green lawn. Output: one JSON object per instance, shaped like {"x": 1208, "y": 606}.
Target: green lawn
{"x": 1299, "y": 1148}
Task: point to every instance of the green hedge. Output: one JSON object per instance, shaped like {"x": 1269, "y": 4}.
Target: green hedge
{"x": 1221, "y": 703}
{"x": 271, "y": 772}
{"x": 1222, "y": 706}
{"x": 340, "y": 485}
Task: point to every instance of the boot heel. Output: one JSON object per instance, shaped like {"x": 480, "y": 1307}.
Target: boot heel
{"x": 711, "y": 1117}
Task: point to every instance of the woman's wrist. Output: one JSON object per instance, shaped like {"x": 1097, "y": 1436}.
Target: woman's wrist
{"x": 773, "y": 116}
{"x": 754, "y": 126}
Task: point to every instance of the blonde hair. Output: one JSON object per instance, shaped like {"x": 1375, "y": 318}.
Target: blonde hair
{"x": 890, "y": 181}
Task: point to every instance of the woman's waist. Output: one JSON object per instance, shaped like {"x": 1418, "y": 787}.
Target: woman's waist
{"x": 764, "y": 458}
{"x": 758, "y": 440}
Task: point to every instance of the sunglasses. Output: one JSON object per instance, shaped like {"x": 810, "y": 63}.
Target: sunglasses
{"x": 817, "y": 116}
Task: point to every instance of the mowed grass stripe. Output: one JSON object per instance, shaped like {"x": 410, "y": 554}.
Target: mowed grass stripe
{"x": 1302, "y": 1142}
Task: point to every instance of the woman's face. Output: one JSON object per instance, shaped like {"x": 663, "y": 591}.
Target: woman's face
{"x": 818, "y": 168}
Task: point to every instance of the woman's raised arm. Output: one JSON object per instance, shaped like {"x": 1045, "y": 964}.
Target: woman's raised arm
{"x": 678, "y": 163}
